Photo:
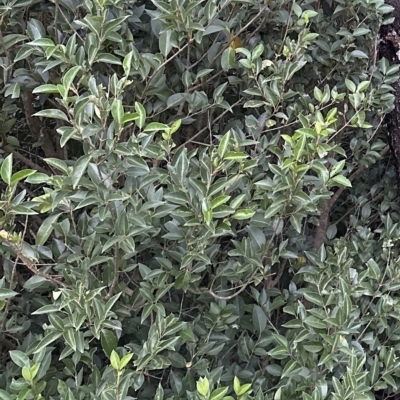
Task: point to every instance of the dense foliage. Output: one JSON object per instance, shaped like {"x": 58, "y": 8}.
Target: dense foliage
{"x": 198, "y": 205}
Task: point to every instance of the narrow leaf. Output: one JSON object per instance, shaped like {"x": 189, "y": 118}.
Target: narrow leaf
{"x": 79, "y": 169}
{"x": 45, "y": 229}
{"x": 6, "y": 169}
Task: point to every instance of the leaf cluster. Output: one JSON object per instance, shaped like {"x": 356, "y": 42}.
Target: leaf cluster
{"x": 162, "y": 241}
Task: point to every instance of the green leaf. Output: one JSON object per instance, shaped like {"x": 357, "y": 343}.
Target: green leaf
{"x": 125, "y": 360}
{"x": 34, "y": 282}
{"x": 155, "y": 127}
{"x": 50, "y": 308}
{"x": 315, "y": 322}
{"x": 79, "y": 169}
{"x": 228, "y": 59}
{"x": 257, "y": 235}
{"x": 203, "y": 386}
{"x": 35, "y": 29}
{"x": 69, "y": 77}
{"x": 187, "y": 79}
{"x": 117, "y": 111}
{"x": 20, "y": 358}
{"x": 113, "y": 25}
{"x": 314, "y": 298}
{"x": 313, "y": 347}
{"x": 175, "y": 126}
{"x": 299, "y": 147}
{"x": 279, "y": 352}
{"x": 339, "y": 180}
{"x": 166, "y": 41}
{"x": 373, "y": 269}
{"x": 24, "y": 52}
{"x": 218, "y": 394}
{"x": 34, "y": 370}
{"x": 14, "y": 90}
{"x": 127, "y": 63}
{"x": 259, "y": 319}
{"x": 350, "y": 85}
{"x": 292, "y": 368}
{"x": 338, "y": 167}
{"x": 109, "y": 341}
{"x": 223, "y": 146}
{"x": 257, "y": 51}
{"x": 274, "y": 369}
{"x": 69, "y": 337}
{"x": 181, "y": 163}
{"x": 236, "y": 385}
{"x": 374, "y": 371}
{"x": 57, "y": 164}
{"x": 295, "y": 220}
{"x": 203, "y": 72}
{"x": 7, "y": 294}
{"x": 142, "y": 115}
{"x": 6, "y": 396}
{"x": 273, "y": 209}
{"x": 182, "y": 280}
{"x": 235, "y": 155}
{"x": 128, "y": 117}
{"x": 362, "y": 86}
{"x": 52, "y": 113}
{"x": 359, "y": 54}
{"x": 187, "y": 335}
{"x": 389, "y": 379}
{"x": 219, "y": 201}
{"x": 46, "y": 89}
{"x": 6, "y": 169}
{"x": 56, "y": 321}
{"x": 219, "y": 91}
{"x": 159, "y": 393}
{"x": 20, "y": 175}
{"x": 115, "y": 360}
{"x": 237, "y": 201}
{"x": 107, "y": 58}
{"x": 26, "y": 374}
{"x": 244, "y": 213}
{"x": 46, "y": 228}
{"x": 48, "y": 339}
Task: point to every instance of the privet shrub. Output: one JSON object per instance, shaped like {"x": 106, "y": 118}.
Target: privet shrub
{"x": 197, "y": 206}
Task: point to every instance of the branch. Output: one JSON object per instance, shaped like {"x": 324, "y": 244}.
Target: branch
{"x": 322, "y": 227}
{"x": 271, "y": 283}
{"x": 25, "y": 160}
{"x": 244, "y": 286}
{"x": 29, "y": 263}
{"x": 36, "y": 126}
{"x": 207, "y": 127}
{"x": 6, "y": 343}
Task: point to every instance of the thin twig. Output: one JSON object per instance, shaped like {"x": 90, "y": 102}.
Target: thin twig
{"x": 30, "y": 264}
{"x": 205, "y": 128}
{"x": 25, "y": 160}
{"x": 322, "y": 227}
{"x": 271, "y": 283}
{"x": 244, "y": 286}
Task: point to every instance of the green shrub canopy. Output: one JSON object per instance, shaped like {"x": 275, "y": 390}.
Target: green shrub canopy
{"x": 196, "y": 202}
